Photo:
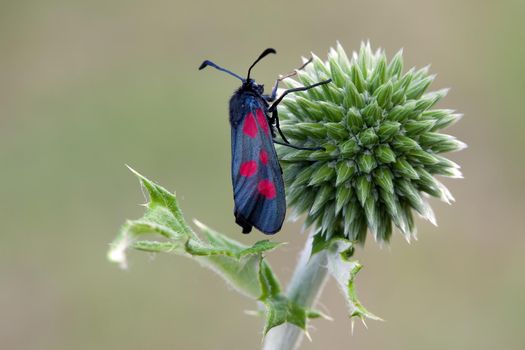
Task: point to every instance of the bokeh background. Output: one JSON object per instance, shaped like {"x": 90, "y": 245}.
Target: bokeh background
{"x": 88, "y": 86}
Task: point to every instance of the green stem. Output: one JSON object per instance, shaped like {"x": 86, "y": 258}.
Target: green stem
{"x": 308, "y": 280}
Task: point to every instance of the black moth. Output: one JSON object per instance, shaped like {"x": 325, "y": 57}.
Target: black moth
{"x": 258, "y": 187}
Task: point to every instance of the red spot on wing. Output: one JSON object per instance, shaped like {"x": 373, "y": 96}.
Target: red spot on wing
{"x": 248, "y": 168}
{"x": 262, "y": 120}
{"x": 249, "y": 127}
{"x": 263, "y": 156}
{"x": 266, "y": 188}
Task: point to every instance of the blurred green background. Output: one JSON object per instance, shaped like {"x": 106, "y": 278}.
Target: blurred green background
{"x": 88, "y": 86}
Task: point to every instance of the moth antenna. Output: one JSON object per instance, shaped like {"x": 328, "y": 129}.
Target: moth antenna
{"x": 211, "y": 64}
{"x": 261, "y": 56}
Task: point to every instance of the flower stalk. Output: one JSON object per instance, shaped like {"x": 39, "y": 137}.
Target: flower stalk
{"x": 305, "y": 287}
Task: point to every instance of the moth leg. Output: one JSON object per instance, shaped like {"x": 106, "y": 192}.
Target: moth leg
{"x": 286, "y": 92}
{"x": 275, "y": 120}
{"x": 273, "y": 95}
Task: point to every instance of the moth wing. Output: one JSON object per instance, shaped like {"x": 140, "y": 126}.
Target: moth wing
{"x": 256, "y": 174}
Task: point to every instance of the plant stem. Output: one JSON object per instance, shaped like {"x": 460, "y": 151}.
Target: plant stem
{"x": 308, "y": 280}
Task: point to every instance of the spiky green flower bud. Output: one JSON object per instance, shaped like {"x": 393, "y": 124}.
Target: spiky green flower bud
{"x": 381, "y": 140}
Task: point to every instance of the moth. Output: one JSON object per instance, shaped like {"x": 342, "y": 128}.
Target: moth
{"x": 258, "y": 187}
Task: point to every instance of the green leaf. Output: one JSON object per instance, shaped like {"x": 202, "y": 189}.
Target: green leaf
{"x": 237, "y": 264}
{"x": 319, "y": 243}
{"x": 344, "y": 271}
{"x": 280, "y": 309}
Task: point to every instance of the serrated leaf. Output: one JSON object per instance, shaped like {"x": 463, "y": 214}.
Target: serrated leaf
{"x": 344, "y": 272}
{"x": 280, "y": 309}
{"x": 237, "y": 264}
{"x": 319, "y": 244}
{"x": 198, "y": 248}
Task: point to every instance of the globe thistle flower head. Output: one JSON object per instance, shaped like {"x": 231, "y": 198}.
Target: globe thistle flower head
{"x": 382, "y": 145}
